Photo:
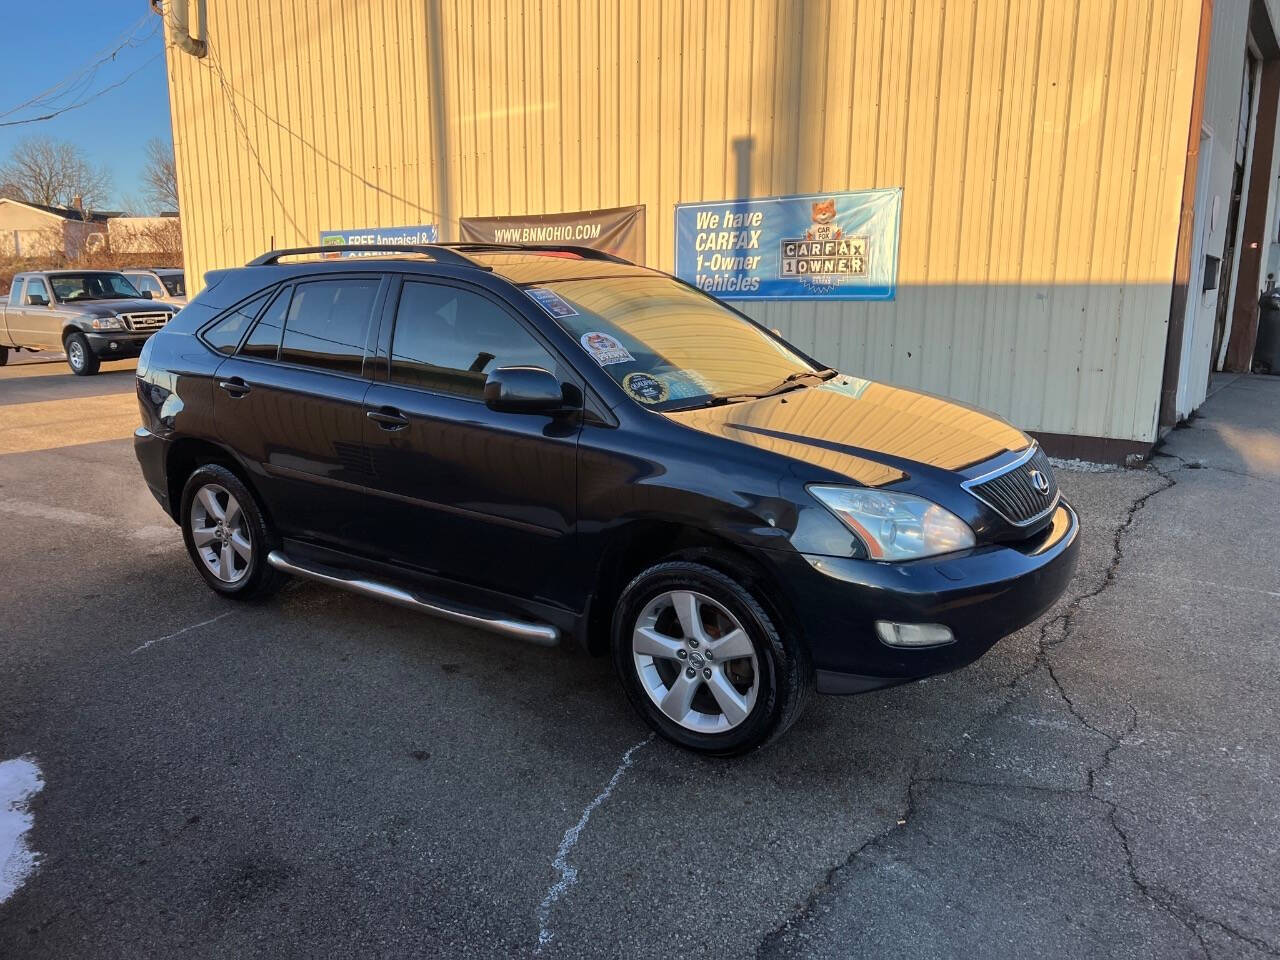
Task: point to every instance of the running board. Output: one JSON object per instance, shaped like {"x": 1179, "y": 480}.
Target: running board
{"x": 542, "y": 634}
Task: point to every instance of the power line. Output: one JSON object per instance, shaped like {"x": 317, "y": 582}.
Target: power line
{"x": 77, "y": 83}
{"x": 88, "y": 98}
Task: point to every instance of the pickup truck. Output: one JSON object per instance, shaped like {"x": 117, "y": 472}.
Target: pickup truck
{"x": 92, "y": 315}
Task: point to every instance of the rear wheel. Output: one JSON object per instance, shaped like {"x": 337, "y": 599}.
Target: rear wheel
{"x": 4, "y": 356}
{"x": 80, "y": 357}
{"x": 226, "y": 534}
{"x": 704, "y": 663}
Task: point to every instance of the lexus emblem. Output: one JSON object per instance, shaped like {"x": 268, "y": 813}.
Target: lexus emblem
{"x": 1040, "y": 482}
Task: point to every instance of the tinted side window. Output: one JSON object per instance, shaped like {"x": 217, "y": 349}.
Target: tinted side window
{"x": 226, "y": 333}
{"x": 15, "y": 291}
{"x": 264, "y": 339}
{"x": 448, "y": 340}
{"x": 328, "y": 323}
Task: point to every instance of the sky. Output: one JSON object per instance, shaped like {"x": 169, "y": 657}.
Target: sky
{"x": 41, "y": 46}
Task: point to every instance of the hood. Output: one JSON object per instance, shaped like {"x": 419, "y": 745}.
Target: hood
{"x": 109, "y": 308}
{"x": 870, "y": 432}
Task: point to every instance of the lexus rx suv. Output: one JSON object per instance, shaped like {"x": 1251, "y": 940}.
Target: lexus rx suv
{"x": 555, "y": 444}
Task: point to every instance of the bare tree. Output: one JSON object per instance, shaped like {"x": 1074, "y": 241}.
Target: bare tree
{"x": 160, "y": 175}
{"x": 54, "y": 172}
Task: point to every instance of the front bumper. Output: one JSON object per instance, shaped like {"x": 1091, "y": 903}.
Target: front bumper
{"x": 120, "y": 345}
{"x": 982, "y": 595}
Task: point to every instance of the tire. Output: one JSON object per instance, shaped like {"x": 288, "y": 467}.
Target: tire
{"x": 238, "y": 567}
{"x": 768, "y": 670}
{"x": 4, "y": 356}
{"x": 80, "y": 358}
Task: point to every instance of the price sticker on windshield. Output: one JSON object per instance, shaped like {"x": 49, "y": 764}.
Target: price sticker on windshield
{"x": 552, "y": 302}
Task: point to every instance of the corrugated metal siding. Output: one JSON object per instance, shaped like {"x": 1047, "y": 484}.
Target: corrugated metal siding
{"x": 1040, "y": 146}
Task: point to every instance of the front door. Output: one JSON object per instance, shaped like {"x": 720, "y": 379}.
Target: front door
{"x": 291, "y": 403}
{"x": 483, "y": 497}
{"x": 38, "y": 325}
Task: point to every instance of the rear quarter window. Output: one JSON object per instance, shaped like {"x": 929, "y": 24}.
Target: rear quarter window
{"x": 225, "y": 334}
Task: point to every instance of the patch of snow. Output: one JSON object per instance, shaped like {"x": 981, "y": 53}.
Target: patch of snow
{"x": 568, "y": 872}
{"x": 1084, "y": 466}
{"x": 20, "y": 780}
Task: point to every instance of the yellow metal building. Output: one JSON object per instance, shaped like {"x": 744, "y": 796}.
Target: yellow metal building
{"x": 1051, "y": 222}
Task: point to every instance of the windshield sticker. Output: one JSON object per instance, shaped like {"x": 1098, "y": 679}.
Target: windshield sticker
{"x": 603, "y": 348}
{"x": 551, "y": 302}
{"x": 645, "y": 387}
{"x": 682, "y": 386}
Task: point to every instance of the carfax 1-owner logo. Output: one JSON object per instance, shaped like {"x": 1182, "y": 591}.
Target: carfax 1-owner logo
{"x": 824, "y": 254}
{"x": 832, "y": 246}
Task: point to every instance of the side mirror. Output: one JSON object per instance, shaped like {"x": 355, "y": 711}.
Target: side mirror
{"x": 146, "y": 294}
{"x": 523, "y": 390}
{"x": 37, "y": 300}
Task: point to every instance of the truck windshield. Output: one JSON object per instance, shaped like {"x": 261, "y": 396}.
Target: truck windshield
{"x": 666, "y": 345}
{"x": 73, "y": 287}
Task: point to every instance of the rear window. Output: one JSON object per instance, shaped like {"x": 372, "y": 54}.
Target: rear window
{"x": 328, "y": 323}
{"x": 264, "y": 340}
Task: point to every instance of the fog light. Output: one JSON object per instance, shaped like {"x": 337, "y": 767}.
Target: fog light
{"x": 914, "y": 634}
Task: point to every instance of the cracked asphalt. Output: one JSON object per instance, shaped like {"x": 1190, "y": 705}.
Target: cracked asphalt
{"x": 321, "y": 775}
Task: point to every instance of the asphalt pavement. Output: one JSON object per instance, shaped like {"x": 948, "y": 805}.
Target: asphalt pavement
{"x": 321, "y": 775}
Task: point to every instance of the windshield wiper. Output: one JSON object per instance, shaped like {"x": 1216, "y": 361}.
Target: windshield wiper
{"x": 789, "y": 383}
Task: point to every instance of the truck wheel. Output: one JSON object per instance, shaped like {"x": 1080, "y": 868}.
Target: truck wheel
{"x": 4, "y": 356}
{"x": 703, "y": 662}
{"x": 80, "y": 358}
{"x": 227, "y": 536}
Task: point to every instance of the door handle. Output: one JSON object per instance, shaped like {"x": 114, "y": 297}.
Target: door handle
{"x": 388, "y": 418}
{"x": 235, "y": 386}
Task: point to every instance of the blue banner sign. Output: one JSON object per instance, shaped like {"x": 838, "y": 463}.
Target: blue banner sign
{"x": 819, "y": 246}
{"x": 422, "y": 233}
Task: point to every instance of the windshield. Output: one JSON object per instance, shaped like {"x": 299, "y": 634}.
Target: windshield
{"x": 175, "y": 283}
{"x": 72, "y": 287}
{"x": 666, "y": 345}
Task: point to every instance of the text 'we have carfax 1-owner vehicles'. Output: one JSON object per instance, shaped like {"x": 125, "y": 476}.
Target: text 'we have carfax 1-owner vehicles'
{"x": 553, "y": 442}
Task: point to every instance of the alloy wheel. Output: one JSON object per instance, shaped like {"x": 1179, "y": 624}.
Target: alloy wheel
{"x": 695, "y": 661}
{"x": 220, "y": 533}
{"x": 75, "y": 354}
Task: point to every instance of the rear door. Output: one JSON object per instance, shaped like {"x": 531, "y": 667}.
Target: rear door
{"x": 290, "y": 402}
{"x": 478, "y": 496}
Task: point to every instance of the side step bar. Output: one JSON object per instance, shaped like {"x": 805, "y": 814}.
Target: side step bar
{"x": 542, "y": 634}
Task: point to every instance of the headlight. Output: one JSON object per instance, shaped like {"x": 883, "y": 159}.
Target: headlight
{"x": 108, "y": 323}
{"x": 896, "y": 526}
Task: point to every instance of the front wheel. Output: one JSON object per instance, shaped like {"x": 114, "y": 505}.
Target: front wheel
{"x": 703, "y": 661}
{"x": 80, "y": 356}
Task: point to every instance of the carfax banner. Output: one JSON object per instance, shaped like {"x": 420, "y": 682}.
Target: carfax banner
{"x": 617, "y": 230}
{"x": 818, "y": 246}
{"x": 422, "y": 233}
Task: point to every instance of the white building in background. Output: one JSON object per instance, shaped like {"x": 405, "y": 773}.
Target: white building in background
{"x": 34, "y": 230}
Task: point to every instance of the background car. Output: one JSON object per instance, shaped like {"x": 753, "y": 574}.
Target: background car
{"x": 166, "y": 284}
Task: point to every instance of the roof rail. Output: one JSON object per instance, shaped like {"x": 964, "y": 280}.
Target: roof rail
{"x": 437, "y": 251}
{"x": 586, "y": 253}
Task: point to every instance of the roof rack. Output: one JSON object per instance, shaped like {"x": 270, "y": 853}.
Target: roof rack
{"x": 436, "y": 251}
{"x": 586, "y": 253}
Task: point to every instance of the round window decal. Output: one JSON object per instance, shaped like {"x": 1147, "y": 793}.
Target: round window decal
{"x": 645, "y": 387}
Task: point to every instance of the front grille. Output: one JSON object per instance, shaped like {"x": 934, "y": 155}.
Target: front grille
{"x": 145, "y": 321}
{"x": 1015, "y": 494}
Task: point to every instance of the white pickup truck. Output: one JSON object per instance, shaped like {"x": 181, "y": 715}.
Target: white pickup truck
{"x": 92, "y": 315}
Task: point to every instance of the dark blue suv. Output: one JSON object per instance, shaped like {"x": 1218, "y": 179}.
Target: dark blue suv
{"x": 552, "y": 442}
